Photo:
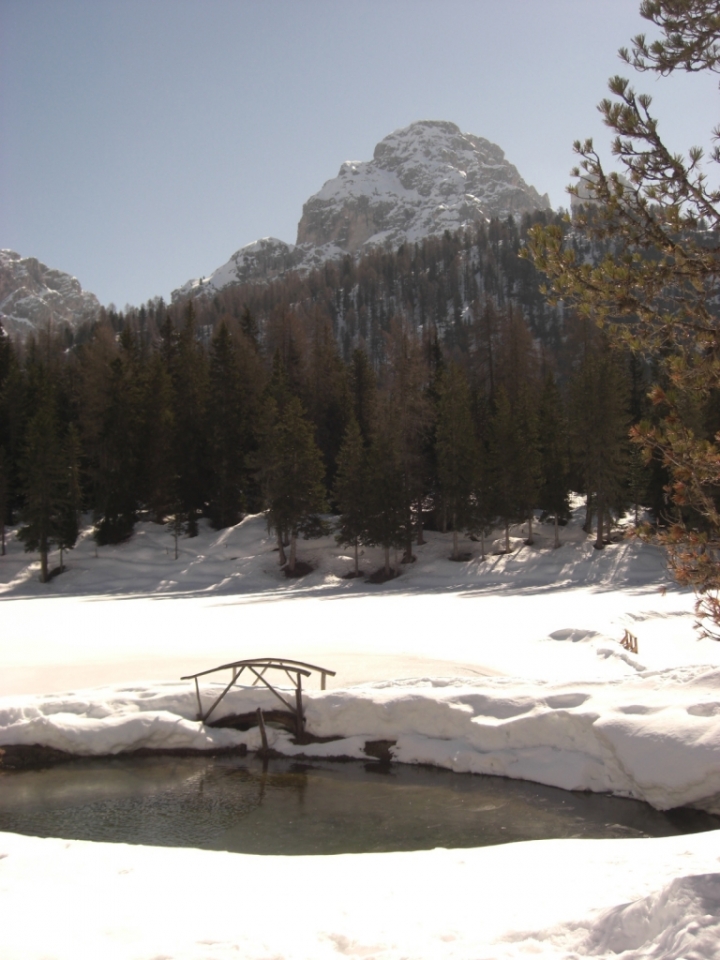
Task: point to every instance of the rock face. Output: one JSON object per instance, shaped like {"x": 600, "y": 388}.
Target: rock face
{"x": 261, "y": 260}
{"x": 423, "y": 180}
{"x": 33, "y": 296}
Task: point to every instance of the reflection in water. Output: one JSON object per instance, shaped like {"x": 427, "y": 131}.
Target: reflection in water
{"x": 285, "y": 807}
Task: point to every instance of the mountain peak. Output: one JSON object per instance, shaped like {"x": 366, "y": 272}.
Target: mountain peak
{"x": 33, "y": 295}
{"x": 423, "y": 179}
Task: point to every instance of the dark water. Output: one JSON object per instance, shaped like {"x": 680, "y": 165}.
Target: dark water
{"x": 310, "y": 808}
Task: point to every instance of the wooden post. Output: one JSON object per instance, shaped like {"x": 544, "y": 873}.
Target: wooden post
{"x": 197, "y": 694}
{"x": 630, "y": 642}
{"x": 263, "y": 731}
{"x": 298, "y": 705}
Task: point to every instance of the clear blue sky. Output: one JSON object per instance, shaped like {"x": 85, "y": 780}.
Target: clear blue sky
{"x": 143, "y": 141}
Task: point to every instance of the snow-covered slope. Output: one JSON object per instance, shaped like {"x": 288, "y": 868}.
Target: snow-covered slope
{"x": 512, "y": 665}
{"x": 33, "y": 295}
{"x": 424, "y": 179}
{"x": 258, "y": 261}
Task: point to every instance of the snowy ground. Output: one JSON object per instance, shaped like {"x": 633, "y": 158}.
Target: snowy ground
{"x": 510, "y": 666}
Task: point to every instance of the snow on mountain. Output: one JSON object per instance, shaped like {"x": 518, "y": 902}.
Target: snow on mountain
{"x": 424, "y": 179}
{"x": 33, "y": 295}
{"x": 260, "y": 260}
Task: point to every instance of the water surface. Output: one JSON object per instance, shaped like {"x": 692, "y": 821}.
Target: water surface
{"x": 233, "y": 803}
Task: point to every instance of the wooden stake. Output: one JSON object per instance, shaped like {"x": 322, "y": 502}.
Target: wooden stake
{"x": 263, "y": 732}
{"x": 298, "y": 705}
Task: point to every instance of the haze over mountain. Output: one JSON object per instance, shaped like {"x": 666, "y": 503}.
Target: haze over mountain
{"x": 424, "y": 179}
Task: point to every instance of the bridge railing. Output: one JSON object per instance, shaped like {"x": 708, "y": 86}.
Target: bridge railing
{"x": 295, "y": 670}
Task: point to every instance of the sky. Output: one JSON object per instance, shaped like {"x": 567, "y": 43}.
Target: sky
{"x": 142, "y": 142}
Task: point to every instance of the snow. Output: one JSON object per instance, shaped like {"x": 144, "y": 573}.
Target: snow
{"x": 510, "y": 666}
{"x": 554, "y": 899}
{"x": 261, "y": 258}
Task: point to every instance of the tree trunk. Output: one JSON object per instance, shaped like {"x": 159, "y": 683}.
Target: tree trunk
{"x": 387, "y": 561}
{"x": 408, "y": 554}
{"x": 482, "y": 544}
{"x": 357, "y": 566}
{"x": 43, "y": 565}
{"x": 557, "y": 532}
{"x": 587, "y": 526}
{"x": 420, "y": 537}
{"x": 455, "y": 540}
{"x": 282, "y": 559}
{"x": 599, "y": 545}
{"x": 293, "y": 552}
{"x": 507, "y": 536}
{"x": 530, "y": 540}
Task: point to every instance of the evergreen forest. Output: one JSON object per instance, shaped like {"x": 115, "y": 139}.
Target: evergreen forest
{"x": 429, "y": 387}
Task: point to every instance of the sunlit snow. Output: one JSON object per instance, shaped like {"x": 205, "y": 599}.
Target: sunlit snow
{"x": 511, "y": 666}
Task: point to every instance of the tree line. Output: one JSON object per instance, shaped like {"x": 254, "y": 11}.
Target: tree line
{"x": 167, "y": 418}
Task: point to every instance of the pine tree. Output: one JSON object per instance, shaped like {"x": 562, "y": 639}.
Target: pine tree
{"x": 387, "y": 505}
{"x": 44, "y": 484}
{"x": 112, "y": 433}
{"x": 16, "y": 407}
{"x": 529, "y": 476}
{"x": 158, "y": 473}
{"x": 293, "y": 473}
{"x": 506, "y": 457}
{"x": 190, "y": 382}
{"x": 327, "y": 395}
{"x": 226, "y": 433}
{"x": 249, "y": 327}
{"x": 4, "y": 491}
{"x": 71, "y": 493}
{"x": 654, "y": 279}
{"x": 351, "y": 490}
{"x": 363, "y": 391}
{"x": 456, "y": 449}
{"x": 599, "y": 424}
{"x": 410, "y": 419}
{"x": 552, "y": 435}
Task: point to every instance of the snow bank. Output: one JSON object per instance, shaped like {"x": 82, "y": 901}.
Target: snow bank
{"x": 549, "y": 899}
{"x": 654, "y": 736}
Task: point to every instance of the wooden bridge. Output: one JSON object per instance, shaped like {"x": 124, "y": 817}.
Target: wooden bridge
{"x": 295, "y": 670}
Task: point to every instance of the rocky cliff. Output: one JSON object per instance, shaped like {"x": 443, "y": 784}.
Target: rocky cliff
{"x": 33, "y": 296}
{"x": 424, "y": 179}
